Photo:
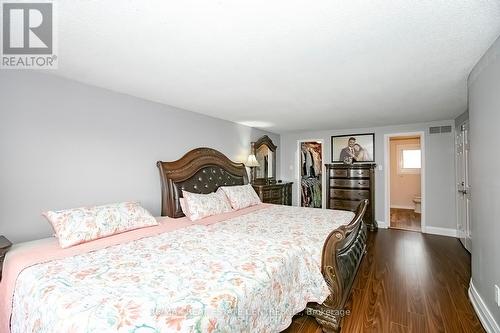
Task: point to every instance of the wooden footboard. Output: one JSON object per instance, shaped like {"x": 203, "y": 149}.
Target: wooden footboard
{"x": 342, "y": 253}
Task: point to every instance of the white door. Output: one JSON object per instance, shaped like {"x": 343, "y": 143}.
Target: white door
{"x": 463, "y": 186}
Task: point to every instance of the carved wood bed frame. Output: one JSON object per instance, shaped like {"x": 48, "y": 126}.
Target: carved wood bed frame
{"x": 203, "y": 170}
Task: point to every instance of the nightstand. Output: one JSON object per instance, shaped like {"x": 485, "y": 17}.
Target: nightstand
{"x": 277, "y": 193}
{"x": 5, "y": 244}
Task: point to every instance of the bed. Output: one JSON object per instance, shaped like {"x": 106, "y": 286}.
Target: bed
{"x": 246, "y": 271}
{"x": 203, "y": 170}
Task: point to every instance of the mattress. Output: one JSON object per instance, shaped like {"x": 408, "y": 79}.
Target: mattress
{"x": 245, "y": 271}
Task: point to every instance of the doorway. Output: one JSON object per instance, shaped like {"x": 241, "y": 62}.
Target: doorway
{"x": 405, "y": 181}
{"x": 311, "y": 173}
{"x": 463, "y": 186}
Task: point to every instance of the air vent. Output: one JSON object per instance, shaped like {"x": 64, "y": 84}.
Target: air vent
{"x": 435, "y": 130}
{"x": 440, "y": 129}
{"x": 445, "y": 129}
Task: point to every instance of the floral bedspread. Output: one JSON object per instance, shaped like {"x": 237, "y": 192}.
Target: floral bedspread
{"x": 298, "y": 226}
{"x": 195, "y": 279}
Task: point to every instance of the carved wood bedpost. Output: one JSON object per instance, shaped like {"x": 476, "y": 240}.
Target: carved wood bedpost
{"x": 342, "y": 253}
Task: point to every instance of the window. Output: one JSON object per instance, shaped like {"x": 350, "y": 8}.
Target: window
{"x": 410, "y": 159}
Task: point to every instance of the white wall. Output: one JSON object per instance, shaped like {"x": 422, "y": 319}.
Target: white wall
{"x": 484, "y": 115}
{"x": 64, "y": 144}
{"x": 440, "y": 167}
{"x": 404, "y": 187}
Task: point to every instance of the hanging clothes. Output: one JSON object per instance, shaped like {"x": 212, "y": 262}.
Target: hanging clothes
{"x": 303, "y": 162}
{"x": 311, "y": 160}
{"x": 311, "y": 170}
{"x": 317, "y": 160}
{"x": 311, "y": 192}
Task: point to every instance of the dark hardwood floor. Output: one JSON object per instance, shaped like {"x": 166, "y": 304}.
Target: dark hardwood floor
{"x": 408, "y": 282}
{"x": 405, "y": 219}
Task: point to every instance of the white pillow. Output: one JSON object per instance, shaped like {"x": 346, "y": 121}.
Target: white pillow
{"x": 184, "y": 207}
{"x": 80, "y": 225}
{"x": 241, "y": 196}
{"x": 198, "y": 206}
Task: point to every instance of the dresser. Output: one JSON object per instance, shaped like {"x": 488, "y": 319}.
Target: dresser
{"x": 348, "y": 185}
{"x": 278, "y": 193}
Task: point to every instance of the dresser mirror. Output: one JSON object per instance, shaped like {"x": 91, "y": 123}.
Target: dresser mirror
{"x": 265, "y": 152}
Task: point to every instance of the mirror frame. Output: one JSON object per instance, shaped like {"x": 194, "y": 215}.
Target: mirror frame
{"x": 265, "y": 141}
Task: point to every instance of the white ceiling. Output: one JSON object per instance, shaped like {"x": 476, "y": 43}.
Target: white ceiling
{"x": 283, "y": 65}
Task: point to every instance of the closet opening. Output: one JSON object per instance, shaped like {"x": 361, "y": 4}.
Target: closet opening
{"x": 311, "y": 173}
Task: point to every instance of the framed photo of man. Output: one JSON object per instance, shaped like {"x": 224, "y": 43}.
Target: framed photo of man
{"x": 354, "y": 148}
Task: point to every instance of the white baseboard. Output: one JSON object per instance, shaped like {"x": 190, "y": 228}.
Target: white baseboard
{"x": 485, "y": 316}
{"x": 382, "y": 225}
{"x": 440, "y": 231}
{"x": 403, "y": 207}
{"x": 427, "y": 230}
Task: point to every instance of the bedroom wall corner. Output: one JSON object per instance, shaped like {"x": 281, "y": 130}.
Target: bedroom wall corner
{"x": 65, "y": 144}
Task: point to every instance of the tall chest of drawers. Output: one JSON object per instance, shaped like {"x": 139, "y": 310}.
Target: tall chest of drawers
{"x": 348, "y": 185}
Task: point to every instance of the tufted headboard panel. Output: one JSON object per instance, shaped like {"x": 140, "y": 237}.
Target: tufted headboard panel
{"x": 202, "y": 170}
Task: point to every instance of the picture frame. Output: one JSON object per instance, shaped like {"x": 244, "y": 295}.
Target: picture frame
{"x": 353, "y": 148}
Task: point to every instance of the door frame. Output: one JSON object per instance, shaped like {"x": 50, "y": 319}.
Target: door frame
{"x": 387, "y": 154}
{"x": 298, "y": 176}
{"x": 464, "y": 238}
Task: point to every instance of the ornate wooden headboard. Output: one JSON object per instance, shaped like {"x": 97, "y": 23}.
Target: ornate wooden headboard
{"x": 202, "y": 170}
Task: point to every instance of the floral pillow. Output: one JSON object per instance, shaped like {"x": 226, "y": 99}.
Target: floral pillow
{"x": 241, "y": 196}
{"x": 199, "y": 206}
{"x": 80, "y": 225}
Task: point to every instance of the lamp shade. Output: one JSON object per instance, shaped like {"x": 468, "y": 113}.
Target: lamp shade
{"x": 252, "y": 161}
